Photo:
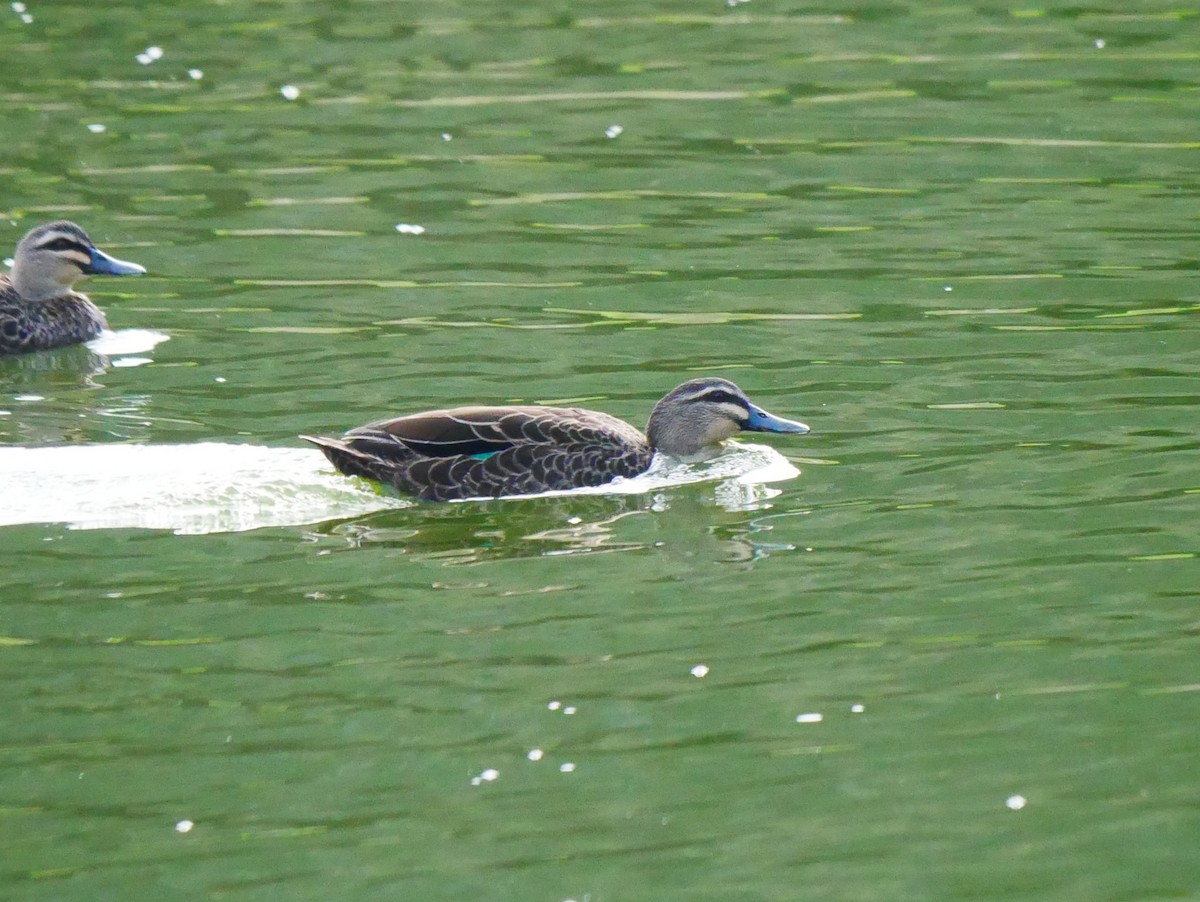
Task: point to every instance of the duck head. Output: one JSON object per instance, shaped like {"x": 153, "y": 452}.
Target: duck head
{"x": 53, "y": 257}
{"x": 694, "y": 419}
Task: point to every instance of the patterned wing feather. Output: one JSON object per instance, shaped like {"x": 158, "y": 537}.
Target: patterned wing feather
{"x": 522, "y": 470}
{"x": 40, "y": 325}
{"x": 476, "y": 452}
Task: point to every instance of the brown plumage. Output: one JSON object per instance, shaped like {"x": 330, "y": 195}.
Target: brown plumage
{"x": 474, "y": 452}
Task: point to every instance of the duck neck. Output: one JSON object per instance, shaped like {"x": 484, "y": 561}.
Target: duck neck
{"x": 677, "y": 439}
{"x": 36, "y": 287}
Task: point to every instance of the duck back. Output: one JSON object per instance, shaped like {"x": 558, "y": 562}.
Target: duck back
{"x": 486, "y": 452}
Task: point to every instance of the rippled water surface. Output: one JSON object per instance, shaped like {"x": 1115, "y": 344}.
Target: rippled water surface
{"x": 955, "y": 655}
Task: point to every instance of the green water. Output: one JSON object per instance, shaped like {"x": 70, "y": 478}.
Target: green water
{"x": 958, "y": 241}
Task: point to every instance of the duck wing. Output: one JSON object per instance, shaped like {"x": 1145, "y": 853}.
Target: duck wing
{"x": 472, "y": 452}
{"x": 41, "y": 325}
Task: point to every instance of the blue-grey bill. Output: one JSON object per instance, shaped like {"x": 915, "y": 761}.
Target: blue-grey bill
{"x": 111, "y": 266}
{"x": 761, "y": 421}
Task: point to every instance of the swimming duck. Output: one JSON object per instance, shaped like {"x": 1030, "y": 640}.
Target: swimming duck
{"x": 38, "y": 308}
{"x": 487, "y": 452}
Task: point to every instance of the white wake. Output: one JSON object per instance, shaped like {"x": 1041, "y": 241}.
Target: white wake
{"x": 219, "y": 487}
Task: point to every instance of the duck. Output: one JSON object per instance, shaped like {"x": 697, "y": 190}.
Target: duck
{"x": 39, "y": 308}
{"x": 491, "y": 452}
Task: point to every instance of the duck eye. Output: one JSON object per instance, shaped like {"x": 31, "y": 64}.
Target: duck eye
{"x": 720, "y": 396}
{"x": 58, "y": 244}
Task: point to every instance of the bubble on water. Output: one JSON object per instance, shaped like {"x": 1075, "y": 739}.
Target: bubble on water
{"x": 18, "y": 7}
{"x": 554, "y": 705}
{"x": 289, "y": 92}
{"x": 613, "y": 131}
{"x": 569, "y": 709}
{"x": 700, "y": 671}
{"x": 812, "y": 717}
{"x": 488, "y": 776}
{"x": 857, "y": 709}
{"x": 184, "y": 826}
{"x": 1015, "y": 802}
{"x": 149, "y": 55}
{"x": 446, "y": 136}
{"x": 566, "y": 767}
{"x": 405, "y": 228}
{"x": 97, "y": 128}
{"x": 1099, "y": 43}
{"x": 195, "y": 74}
{"x": 535, "y": 754}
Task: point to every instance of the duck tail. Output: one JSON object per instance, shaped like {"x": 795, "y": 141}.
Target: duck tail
{"x": 345, "y": 457}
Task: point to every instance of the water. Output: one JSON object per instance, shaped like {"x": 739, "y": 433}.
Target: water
{"x": 213, "y": 487}
{"x": 959, "y": 242}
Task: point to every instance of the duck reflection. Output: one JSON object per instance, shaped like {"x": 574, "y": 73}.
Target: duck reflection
{"x": 75, "y": 363}
{"x": 678, "y": 524}
{"x": 70, "y": 377}
{"x": 81, "y": 362}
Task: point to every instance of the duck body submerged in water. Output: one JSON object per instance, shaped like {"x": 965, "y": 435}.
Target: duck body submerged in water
{"x": 488, "y": 452}
{"x": 38, "y": 307}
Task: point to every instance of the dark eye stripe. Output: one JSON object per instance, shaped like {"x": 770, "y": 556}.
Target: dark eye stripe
{"x": 65, "y": 244}
{"x": 720, "y": 396}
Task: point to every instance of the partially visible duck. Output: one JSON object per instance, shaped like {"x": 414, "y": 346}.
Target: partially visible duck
{"x": 487, "y": 452}
{"x": 38, "y": 307}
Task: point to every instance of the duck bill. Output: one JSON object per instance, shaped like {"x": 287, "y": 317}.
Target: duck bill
{"x": 761, "y": 421}
{"x": 102, "y": 263}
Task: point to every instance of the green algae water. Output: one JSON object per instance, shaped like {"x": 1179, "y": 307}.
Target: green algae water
{"x": 951, "y": 654}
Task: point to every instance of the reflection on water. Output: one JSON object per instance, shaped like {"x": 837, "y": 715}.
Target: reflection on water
{"x": 564, "y": 524}
{"x": 213, "y": 487}
{"x": 108, "y": 350}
